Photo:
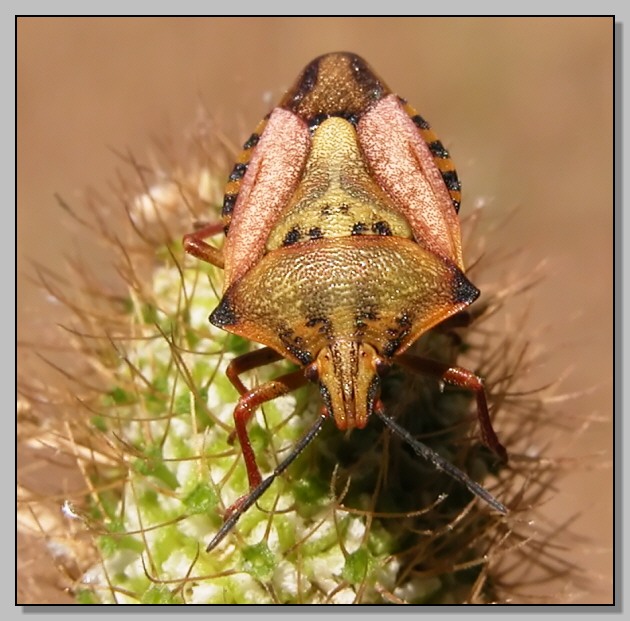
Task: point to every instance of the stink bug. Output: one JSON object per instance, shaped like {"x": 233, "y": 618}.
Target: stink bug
{"x": 342, "y": 248}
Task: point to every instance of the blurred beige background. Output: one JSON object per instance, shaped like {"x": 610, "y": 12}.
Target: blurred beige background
{"x": 524, "y": 104}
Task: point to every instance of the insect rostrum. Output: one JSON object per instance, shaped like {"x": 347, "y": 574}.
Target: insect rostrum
{"x": 342, "y": 248}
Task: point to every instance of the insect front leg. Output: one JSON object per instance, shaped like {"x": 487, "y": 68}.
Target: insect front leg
{"x": 463, "y": 378}
{"x": 243, "y": 412}
{"x": 247, "y": 362}
{"x": 195, "y": 245}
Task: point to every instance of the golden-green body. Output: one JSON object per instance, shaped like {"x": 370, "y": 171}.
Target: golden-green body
{"x": 341, "y": 304}
{"x": 343, "y": 277}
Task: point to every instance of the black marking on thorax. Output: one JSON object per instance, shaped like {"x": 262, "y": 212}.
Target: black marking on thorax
{"x": 295, "y": 345}
{"x": 397, "y": 334}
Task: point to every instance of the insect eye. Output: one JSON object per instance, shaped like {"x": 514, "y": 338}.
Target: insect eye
{"x": 311, "y": 373}
{"x": 382, "y": 367}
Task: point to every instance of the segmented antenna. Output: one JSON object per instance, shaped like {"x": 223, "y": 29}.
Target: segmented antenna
{"x": 442, "y": 464}
{"x": 258, "y": 491}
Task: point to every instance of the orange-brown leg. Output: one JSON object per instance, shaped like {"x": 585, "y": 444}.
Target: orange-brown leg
{"x": 244, "y": 410}
{"x": 194, "y": 244}
{"x": 247, "y": 362}
{"x": 457, "y": 376}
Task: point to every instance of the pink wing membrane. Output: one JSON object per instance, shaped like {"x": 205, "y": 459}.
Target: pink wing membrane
{"x": 271, "y": 178}
{"x": 403, "y": 165}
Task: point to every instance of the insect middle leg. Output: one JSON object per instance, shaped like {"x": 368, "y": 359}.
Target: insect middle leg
{"x": 195, "y": 244}
{"x": 463, "y": 378}
{"x": 244, "y": 363}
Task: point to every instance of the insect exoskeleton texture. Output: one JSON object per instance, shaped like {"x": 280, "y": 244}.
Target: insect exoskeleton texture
{"x": 342, "y": 248}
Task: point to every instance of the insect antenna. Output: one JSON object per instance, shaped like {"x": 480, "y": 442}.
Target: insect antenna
{"x": 442, "y": 464}
{"x": 258, "y": 491}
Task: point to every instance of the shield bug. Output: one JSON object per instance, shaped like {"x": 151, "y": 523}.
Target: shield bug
{"x": 342, "y": 248}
